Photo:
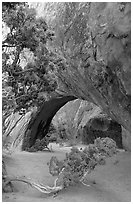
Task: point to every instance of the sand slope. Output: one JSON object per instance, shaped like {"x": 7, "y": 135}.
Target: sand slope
{"x": 109, "y": 183}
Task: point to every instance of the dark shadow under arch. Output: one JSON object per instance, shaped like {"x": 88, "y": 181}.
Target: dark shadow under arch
{"x": 42, "y": 120}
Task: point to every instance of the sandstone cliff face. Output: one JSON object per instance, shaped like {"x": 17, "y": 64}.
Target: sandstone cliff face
{"x": 81, "y": 121}
{"x": 63, "y": 121}
{"x": 16, "y": 125}
{"x": 96, "y": 46}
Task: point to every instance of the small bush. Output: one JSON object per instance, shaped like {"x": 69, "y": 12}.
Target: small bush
{"x": 79, "y": 162}
{"x": 106, "y": 146}
{"x": 39, "y": 145}
{"x": 53, "y": 138}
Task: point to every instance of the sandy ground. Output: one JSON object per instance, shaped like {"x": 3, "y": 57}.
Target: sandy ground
{"x": 108, "y": 183}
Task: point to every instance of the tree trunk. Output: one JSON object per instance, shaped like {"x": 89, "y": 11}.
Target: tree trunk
{"x": 39, "y": 125}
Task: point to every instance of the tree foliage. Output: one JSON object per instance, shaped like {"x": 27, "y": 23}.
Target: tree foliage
{"x": 78, "y": 163}
{"x": 26, "y": 62}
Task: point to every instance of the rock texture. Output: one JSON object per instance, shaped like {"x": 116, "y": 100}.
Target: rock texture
{"x": 39, "y": 124}
{"x": 94, "y": 123}
{"x": 126, "y": 139}
{"x": 63, "y": 121}
{"x": 14, "y": 134}
{"x": 93, "y": 42}
{"x": 94, "y": 39}
{"x": 77, "y": 121}
{"x": 82, "y": 121}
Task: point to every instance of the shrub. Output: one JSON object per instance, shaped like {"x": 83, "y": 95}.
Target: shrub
{"x": 78, "y": 163}
{"x": 106, "y": 146}
{"x": 39, "y": 145}
{"x": 74, "y": 167}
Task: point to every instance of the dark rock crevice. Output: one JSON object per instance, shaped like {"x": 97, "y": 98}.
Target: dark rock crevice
{"x": 102, "y": 128}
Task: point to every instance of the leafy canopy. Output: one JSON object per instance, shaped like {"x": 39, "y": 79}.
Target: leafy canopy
{"x": 26, "y": 61}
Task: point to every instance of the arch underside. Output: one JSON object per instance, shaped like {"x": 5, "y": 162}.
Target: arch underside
{"x": 39, "y": 126}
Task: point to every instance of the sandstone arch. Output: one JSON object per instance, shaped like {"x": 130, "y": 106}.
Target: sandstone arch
{"x": 38, "y": 126}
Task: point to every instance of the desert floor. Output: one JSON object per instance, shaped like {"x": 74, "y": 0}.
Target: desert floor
{"x": 108, "y": 183}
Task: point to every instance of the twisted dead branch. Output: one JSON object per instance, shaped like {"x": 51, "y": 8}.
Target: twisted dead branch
{"x": 41, "y": 187}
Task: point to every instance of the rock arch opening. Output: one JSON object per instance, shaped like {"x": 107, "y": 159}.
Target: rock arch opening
{"x": 39, "y": 125}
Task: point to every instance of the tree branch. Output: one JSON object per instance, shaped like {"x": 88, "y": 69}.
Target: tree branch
{"x": 4, "y": 45}
{"x": 24, "y": 71}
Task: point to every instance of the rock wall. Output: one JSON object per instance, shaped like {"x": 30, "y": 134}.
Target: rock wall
{"x": 63, "y": 120}
{"x": 96, "y": 124}
{"x": 80, "y": 120}
{"x": 86, "y": 122}
{"x": 97, "y": 47}
{"x": 126, "y": 139}
{"x": 14, "y": 134}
